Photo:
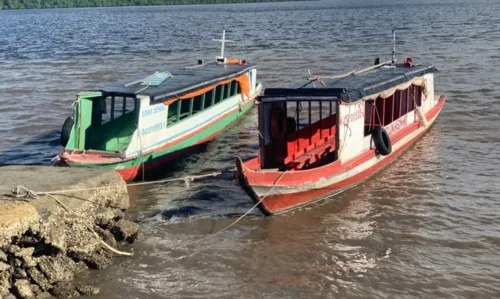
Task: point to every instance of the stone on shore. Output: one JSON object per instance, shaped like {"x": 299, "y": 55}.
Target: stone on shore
{"x": 44, "y": 242}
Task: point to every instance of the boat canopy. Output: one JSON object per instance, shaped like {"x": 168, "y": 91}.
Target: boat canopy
{"x": 350, "y": 88}
{"x": 176, "y": 82}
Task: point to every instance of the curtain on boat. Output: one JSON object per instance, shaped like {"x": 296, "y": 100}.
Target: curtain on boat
{"x": 243, "y": 80}
{"x": 418, "y": 81}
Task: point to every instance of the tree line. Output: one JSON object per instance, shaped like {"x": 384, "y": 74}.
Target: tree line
{"x": 33, "y": 4}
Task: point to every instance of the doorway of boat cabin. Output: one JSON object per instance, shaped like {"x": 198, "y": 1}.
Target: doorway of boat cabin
{"x": 107, "y": 122}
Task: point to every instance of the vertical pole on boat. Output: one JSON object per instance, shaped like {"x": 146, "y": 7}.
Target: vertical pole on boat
{"x": 393, "y": 45}
{"x": 298, "y": 125}
{"x": 330, "y": 116}
{"x": 223, "y": 41}
{"x": 310, "y": 128}
{"x": 320, "y": 120}
{"x": 383, "y": 114}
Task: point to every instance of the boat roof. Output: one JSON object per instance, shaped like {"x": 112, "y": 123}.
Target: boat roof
{"x": 179, "y": 81}
{"x": 351, "y": 88}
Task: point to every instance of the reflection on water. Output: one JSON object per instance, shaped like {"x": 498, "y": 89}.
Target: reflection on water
{"x": 426, "y": 227}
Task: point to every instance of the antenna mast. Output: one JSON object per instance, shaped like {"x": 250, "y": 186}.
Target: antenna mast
{"x": 221, "y": 58}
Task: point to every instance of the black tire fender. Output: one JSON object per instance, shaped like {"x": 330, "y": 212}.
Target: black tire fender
{"x": 66, "y": 130}
{"x": 382, "y": 141}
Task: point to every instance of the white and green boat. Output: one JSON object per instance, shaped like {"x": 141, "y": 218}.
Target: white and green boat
{"x": 136, "y": 125}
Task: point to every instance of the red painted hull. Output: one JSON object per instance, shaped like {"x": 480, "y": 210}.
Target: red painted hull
{"x": 278, "y": 192}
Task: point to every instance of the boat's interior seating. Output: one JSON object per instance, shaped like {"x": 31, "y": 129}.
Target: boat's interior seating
{"x": 311, "y": 143}
{"x": 113, "y": 136}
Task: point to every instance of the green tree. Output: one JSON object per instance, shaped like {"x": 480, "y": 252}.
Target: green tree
{"x": 28, "y": 4}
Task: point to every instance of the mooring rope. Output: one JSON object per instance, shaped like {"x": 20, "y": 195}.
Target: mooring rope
{"x": 18, "y": 193}
{"x": 234, "y": 222}
{"x": 22, "y": 192}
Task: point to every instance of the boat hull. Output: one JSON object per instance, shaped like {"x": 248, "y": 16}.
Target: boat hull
{"x": 133, "y": 168}
{"x": 279, "y": 192}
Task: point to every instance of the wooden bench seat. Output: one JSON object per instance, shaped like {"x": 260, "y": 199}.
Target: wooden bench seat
{"x": 311, "y": 156}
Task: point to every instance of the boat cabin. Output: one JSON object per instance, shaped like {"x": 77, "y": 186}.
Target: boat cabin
{"x": 134, "y": 115}
{"x": 333, "y": 118}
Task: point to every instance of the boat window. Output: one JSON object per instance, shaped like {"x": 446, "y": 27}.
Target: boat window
{"x": 411, "y": 102}
{"x": 418, "y": 95}
{"x": 107, "y": 109}
{"x": 219, "y": 90}
{"x": 198, "y": 103}
{"x": 381, "y": 112}
{"x": 398, "y": 100}
{"x": 185, "y": 108}
{"x": 387, "y": 112}
{"x": 371, "y": 117}
{"x": 235, "y": 88}
{"x": 172, "y": 113}
{"x": 228, "y": 89}
{"x": 210, "y": 98}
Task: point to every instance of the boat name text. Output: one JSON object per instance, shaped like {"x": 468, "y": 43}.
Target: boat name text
{"x": 153, "y": 110}
{"x": 358, "y": 113}
{"x": 397, "y": 125}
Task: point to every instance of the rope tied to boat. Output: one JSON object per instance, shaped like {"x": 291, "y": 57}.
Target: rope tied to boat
{"x": 21, "y": 191}
{"x": 24, "y": 193}
{"x": 237, "y": 220}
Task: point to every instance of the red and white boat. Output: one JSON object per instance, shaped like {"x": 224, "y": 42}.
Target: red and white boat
{"x": 335, "y": 132}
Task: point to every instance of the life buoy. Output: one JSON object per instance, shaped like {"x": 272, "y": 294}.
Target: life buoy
{"x": 277, "y": 123}
{"x": 66, "y": 130}
{"x": 382, "y": 141}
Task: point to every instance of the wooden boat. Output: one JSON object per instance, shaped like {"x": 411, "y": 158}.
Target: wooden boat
{"x": 135, "y": 125}
{"x": 364, "y": 121}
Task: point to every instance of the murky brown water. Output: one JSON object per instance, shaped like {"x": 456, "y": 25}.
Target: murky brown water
{"x": 428, "y": 226}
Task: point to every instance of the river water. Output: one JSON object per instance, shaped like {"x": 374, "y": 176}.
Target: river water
{"x": 428, "y": 226}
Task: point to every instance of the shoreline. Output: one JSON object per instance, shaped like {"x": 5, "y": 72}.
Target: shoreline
{"x": 20, "y": 5}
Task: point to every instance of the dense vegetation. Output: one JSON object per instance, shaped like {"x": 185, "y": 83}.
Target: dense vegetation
{"x": 27, "y": 4}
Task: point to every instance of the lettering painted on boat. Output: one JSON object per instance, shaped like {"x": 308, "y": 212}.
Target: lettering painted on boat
{"x": 397, "y": 125}
{"x": 351, "y": 129}
{"x": 357, "y": 113}
{"x": 154, "y": 128}
{"x": 153, "y": 110}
